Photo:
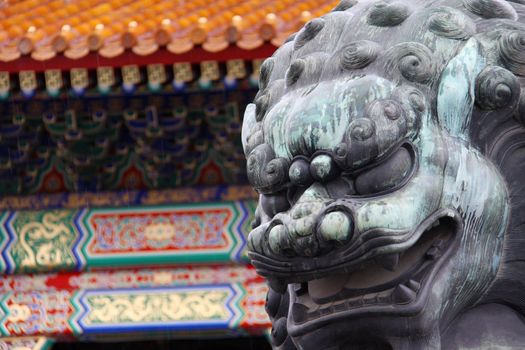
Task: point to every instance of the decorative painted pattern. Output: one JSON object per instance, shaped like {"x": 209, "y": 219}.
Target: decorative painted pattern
{"x": 253, "y": 306}
{"x": 4, "y": 240}
{"x": 161, "y": 235}
{"x": 26, "y": 343}
{"x": 180, "y": 195}
{"x": 31, "y": 313}
{"x": 248, "y": 208}
{"x": 213, "y": 299}
{"x": 59, "y": 296}
{"x": 127, "y": 279}
{"x": 114, "y": 144}
{"x": 58, "y": 240}
{"x": 183, "y": 308}
{"x": 40, "y": 240}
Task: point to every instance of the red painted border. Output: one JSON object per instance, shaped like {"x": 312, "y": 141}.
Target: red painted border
{"x": 162, "y": 56}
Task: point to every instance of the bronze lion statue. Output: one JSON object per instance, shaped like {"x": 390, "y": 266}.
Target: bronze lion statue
{"x": 387, "y": 143}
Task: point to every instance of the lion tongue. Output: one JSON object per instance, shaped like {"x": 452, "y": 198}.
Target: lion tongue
{"x": 369, "y": 275}
{"x": 379, "y": 273}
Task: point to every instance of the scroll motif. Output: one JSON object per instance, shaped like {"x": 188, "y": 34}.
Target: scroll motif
{"x": 44, "y": 240}
{"x": 152, "y": 307}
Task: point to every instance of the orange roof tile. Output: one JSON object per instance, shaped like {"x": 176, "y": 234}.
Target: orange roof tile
{"x": 45, "y": 28}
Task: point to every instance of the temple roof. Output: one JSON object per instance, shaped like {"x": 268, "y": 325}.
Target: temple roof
{"x": 43, "y": 29}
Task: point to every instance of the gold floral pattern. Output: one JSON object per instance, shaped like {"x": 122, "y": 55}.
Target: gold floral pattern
{"x": 144, "y": 307}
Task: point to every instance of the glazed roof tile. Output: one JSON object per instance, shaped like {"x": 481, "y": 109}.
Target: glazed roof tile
{"x": 74, "y": 28}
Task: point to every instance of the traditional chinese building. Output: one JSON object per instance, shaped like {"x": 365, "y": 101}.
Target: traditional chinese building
{"x": 123, "y": 198}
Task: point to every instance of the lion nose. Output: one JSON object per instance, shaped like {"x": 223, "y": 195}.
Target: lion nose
{"x": 309, "y": 228}
{"x": 310, "y": 235}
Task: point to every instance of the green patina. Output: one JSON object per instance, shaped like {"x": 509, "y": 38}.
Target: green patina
{"x": 301, "y": 123}
{"x": 456, "y": 89}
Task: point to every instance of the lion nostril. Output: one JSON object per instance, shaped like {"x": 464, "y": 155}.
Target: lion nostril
{"x": 335, "y": 226}
{"x": 303, "y": 227}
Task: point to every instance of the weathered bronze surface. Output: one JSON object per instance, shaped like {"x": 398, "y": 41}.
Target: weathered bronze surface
{"x": 387, "y": 143}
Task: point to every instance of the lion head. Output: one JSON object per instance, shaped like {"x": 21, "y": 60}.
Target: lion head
{"x": 388, "y": 148}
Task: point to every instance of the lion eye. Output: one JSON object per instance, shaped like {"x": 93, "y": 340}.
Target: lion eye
{"x": 386, "y": 175}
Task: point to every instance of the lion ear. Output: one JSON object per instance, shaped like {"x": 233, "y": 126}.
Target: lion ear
{"x": 456, "y": 89}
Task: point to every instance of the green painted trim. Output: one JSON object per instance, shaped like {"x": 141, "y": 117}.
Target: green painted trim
{"x": 77, "y": 310}
{"x": 231, "y": 229}
{"x": 4, "y": 238}
{"x": 237, "y": 303}
{"x": 137, "y": 261}
{"x": 47, "y": 343}
{"x": 3, "y": 331}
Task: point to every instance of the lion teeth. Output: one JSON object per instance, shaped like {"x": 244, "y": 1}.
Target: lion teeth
{"x": 414, "y": 285}
{"x": 369, "y": 299}
{"x": 300, "y": 288}
{"x": 433, "y": 253}
{"x": 403, "y": 295}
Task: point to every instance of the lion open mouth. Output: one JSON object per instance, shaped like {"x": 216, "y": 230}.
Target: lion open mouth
{"x": 385, "y": 284}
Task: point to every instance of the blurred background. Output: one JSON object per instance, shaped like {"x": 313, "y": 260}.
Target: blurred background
{"x": 124, "y": 204}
